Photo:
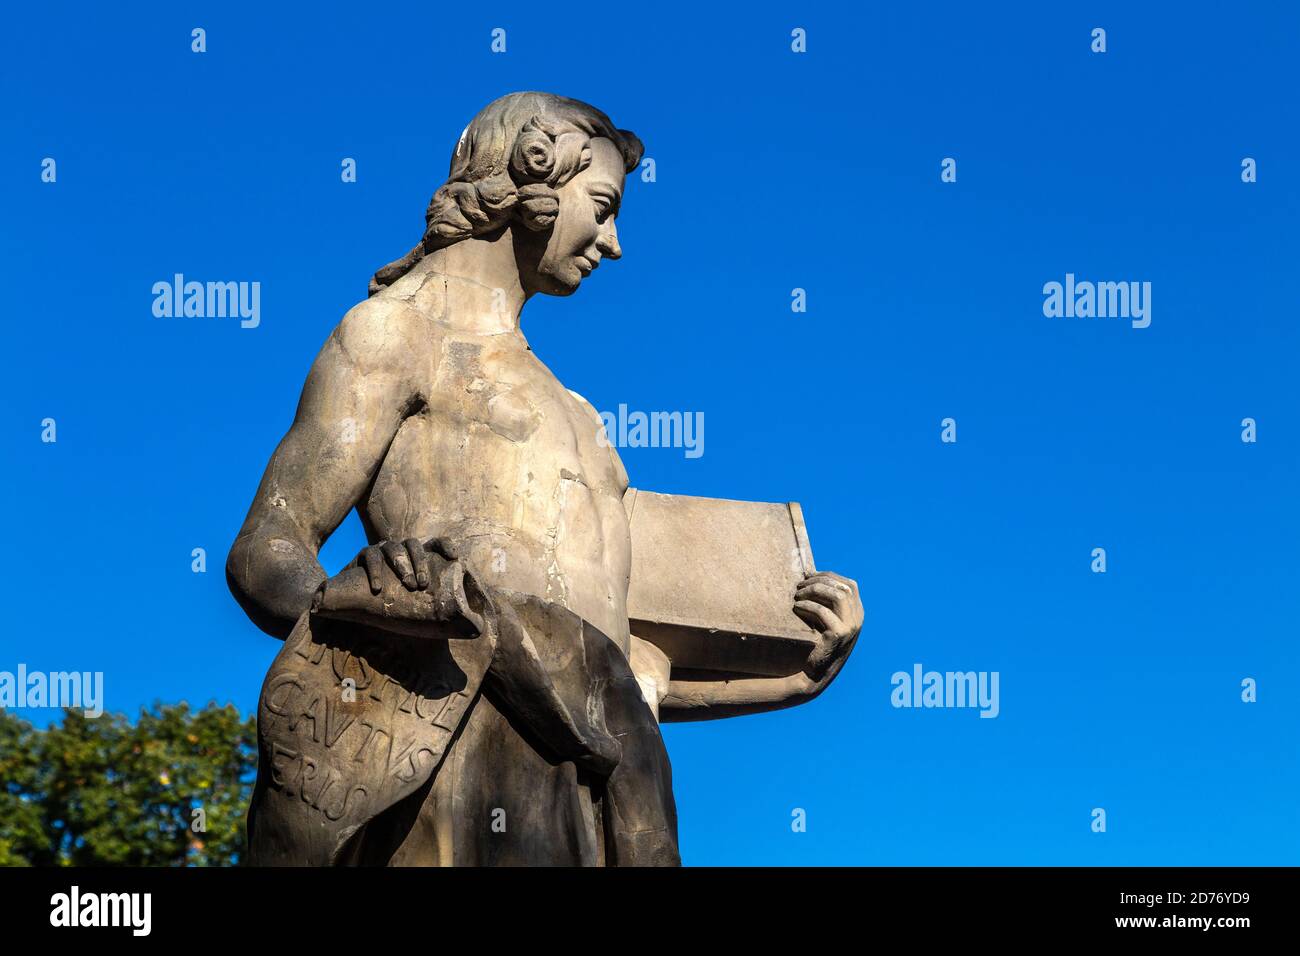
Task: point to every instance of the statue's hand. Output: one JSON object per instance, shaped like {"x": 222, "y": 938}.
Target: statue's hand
{"x": 411, "y": 560}
{"x": 829, "y": 603}
{"x": 414, "y": 587}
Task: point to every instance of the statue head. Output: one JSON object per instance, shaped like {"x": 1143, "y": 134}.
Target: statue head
{"x": 547, "y": 167}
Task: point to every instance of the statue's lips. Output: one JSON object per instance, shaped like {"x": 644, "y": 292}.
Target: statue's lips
{"x": 585, "y": 265}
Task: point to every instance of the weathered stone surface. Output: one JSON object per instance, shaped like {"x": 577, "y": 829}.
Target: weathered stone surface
{"x": 713, "y": 583}
{"x": 468, "y": 690}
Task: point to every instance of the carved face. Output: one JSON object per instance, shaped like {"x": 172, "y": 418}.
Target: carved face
{"x": 584, "y": 231}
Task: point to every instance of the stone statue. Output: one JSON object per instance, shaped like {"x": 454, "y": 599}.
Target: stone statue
{"x": 467, "y": 691}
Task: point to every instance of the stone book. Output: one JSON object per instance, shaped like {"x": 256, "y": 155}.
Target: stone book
{"x": 713, "y": 583}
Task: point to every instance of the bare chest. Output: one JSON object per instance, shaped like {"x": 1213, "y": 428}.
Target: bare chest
{"x": 502, "y": 457}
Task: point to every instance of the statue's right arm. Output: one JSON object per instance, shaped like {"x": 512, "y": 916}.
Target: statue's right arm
{"x": 357, "y": 394}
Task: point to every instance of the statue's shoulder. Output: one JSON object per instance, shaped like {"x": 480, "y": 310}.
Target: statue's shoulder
{"x": 586, "y": 406}
{"x": 384, "y": 332}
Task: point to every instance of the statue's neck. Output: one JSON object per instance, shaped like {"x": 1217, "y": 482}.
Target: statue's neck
{"x": 472, "y": 285}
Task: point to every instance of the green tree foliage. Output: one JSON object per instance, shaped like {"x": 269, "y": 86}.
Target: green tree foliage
{"x": 102, "y": 792}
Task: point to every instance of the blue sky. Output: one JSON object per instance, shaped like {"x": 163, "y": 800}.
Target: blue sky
{"x": 774, "y": 171}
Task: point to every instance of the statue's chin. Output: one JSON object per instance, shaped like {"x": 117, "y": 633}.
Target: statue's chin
{"x": 563, "y": 280}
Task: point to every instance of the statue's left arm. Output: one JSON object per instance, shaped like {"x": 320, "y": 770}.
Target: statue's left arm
{"x": 831, "y": 606}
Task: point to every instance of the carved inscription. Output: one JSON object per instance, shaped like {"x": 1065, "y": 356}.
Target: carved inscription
{"x": 348, "y": 755}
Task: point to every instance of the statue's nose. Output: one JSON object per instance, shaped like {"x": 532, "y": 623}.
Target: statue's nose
{"x": 607, "y": 243}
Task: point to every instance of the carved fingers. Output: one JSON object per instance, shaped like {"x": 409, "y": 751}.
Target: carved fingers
{"x": 428, "y": 584}
{"x": 411, "y": 560}
{"x": 372, "y": 559}
{"x": 445, "y": 547}
{"x": 829, "y": 603}
{"x": 403, "y": 557}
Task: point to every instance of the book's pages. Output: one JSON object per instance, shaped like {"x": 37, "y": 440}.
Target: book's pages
{"x": 713, "y": 584}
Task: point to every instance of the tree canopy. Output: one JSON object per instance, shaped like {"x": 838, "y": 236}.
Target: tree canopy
{"x": 170, "y": 790}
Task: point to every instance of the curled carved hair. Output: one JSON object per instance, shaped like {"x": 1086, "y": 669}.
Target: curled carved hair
{"x": 510, "y": 162}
